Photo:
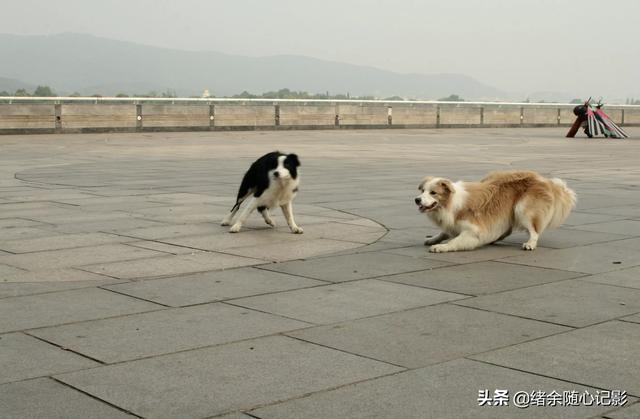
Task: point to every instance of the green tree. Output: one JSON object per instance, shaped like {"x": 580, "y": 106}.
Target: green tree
{"x": 44, "y": 91}
{"x": 4, "y": 93}
{"x": 75, "y": 94}
{"x": 245, "y": 95}
{"x": 122, "y": 95}
{"x": 21, "y": 93}
{"x": 452, "y": 98}
{"x": 299, "y": 94}
{"x": 577, "y": 101}
{"x": 169, "y": 93}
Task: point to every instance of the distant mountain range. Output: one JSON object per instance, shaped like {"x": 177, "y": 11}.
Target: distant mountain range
{"x": 88, "y": 65}
{"x": 11, "y": 85}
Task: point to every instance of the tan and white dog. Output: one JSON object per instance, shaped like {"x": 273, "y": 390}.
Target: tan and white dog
{"x": 473, "y": 214}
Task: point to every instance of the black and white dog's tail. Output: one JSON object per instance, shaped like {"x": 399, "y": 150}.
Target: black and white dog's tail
{"x": 243, "y": 192}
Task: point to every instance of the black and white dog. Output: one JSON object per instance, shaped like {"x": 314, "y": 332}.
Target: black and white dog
{"x": 271, "y": 181}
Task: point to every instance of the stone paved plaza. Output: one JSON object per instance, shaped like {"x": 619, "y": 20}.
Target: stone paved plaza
{"x": 122, "y": 296}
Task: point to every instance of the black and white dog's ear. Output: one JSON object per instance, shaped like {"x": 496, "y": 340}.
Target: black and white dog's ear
{"x": 293, "y": 160}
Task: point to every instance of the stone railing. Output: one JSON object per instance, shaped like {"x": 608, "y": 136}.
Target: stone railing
{"x": 72, "y": 114}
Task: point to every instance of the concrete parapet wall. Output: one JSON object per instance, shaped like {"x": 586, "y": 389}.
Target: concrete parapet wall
{"x": 631, "y": 116}
{"x": 363, "y": 114}
{"x": 502, "y": 115}
{"x": 540, "y": 115}
{"x": 414, "y": 114}
{"x": 27, "y": 116}
{"x": 566, "y": 115}
{"x": 32, "y": 115}
{"x": 307, "y": 114}
{"x": 175, "y": 115}
{"x": 244, "y": 114}
{"x": 460, "y": 114}
{"x": 614, "y": 114}
{"x": 78, "y": 116}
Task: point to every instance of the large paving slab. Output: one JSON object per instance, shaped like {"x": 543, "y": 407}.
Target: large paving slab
{"x": 222, "y": 241}
{"x": 46, "y": 398}
{"x": 573, "y": 302}
{"x": 160, "y": 332}
{"x": 628, "y": 243}
{"x": 594, "y": 258}
{"x": 170, "y": 265}
{"x": 234, "y": 415}
{"x": 58, "y": 276}
{"x": 110, "y": 225}
{"x": 343, "y": 231}
{"x": 24, "y": 357}
{"x": 170, "y": 231}
{"x": 634, "y": 318}
{"x": 604, "y": 355}
{"x": 212, "y": 286}
{"x": 64, "y": 241}
{"x": 579, "y": 218}
{"x": 23, "y": 233}
{"x": 6, "y": 270}
{"x": 66, "y": 307}
{"x": 564, "y": 238}
{"x": 425, "y": 336}
{"x": 621, "y": 210}
{"x": 491, "y": 252}
{"x": 65, "y": 258}
{"x": 632, "y": 411}
{"x": 338, "y": 302}
{"x": 628, "y": 227}
{"x": 610, "y": 203}
{"x": 76, "y": 216}
{"x": 16, "y": 289}
{"x": 373, "y": 247}
{"x": 291, "y": 250}
{"x": 354, "y": 266}
{"x": 411, "y": 236}
{"x": 623, "y": 278}
{"x": 8, "y": 223}
{"x": 482, "y": 277}
{"x": 448, "y": 390}
{"x": 211, "y": 381}
{"x": 161, "y": 247}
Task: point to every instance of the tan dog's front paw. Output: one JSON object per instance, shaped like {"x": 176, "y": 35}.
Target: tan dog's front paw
{"x": 297, "y": 230}
{"x": 439, "y": 248}
{"x": 529, "y": 246}
{"x": 235, "y": 228}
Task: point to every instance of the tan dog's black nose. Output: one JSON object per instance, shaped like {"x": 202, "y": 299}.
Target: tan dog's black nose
{"x": 418, "y": 200}
{"x": 276, "y": 174}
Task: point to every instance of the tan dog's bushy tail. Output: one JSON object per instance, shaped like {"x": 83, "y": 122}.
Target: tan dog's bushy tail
{"x": 564, "y": 200}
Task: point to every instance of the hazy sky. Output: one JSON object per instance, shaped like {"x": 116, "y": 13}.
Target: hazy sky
{"x": 590, "y": 47}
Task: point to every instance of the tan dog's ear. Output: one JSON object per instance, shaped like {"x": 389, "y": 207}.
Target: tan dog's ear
{"x": 446, "y": 185}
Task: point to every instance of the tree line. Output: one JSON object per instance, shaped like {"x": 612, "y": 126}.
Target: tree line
{"x": 46, "y": 91}
{"x": 43, "y": 91}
